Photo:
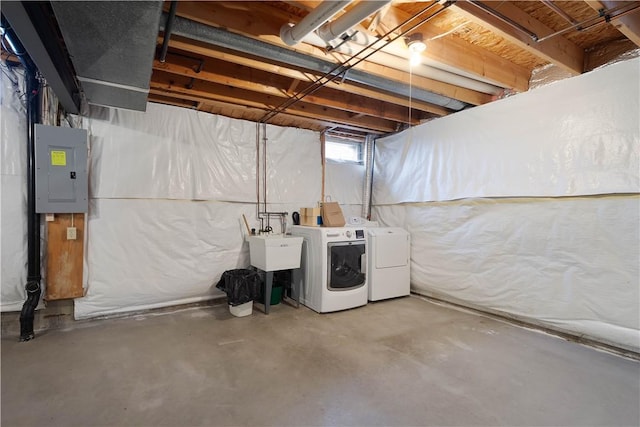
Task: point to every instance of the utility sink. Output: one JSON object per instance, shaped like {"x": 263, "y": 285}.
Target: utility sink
{"x": 275, "y": 252}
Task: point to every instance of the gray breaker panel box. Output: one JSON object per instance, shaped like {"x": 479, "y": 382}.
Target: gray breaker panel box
{"x": 61, "y": 170}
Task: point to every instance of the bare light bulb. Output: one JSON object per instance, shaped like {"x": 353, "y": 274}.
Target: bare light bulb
{"x": 416, "y": 47}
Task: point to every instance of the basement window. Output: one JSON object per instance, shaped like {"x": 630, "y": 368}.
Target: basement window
{"x": 343, "y": 150}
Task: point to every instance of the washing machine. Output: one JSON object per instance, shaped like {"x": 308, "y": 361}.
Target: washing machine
{"x": 388, "y": 262}
{"x": 333, "y": 267}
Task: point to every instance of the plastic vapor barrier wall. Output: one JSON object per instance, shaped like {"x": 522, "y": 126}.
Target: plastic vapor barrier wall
{"x": 528, "y": 206}
{"x": 168, "y": 189}
{"x": 13, "y": 191}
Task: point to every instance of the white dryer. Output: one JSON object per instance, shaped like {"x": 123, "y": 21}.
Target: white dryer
{"x": 388, "y": 262}
{"x": 333, "y": 265}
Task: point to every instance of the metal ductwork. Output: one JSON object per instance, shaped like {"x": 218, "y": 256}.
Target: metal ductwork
{"x": 112, "y": 45}
{"x": 222, "y": 38}
{"x": 395, "y": 57}
{"x": 293, "y": 34}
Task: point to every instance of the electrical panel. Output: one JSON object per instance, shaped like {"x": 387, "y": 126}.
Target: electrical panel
{"x": 61, "y": 169}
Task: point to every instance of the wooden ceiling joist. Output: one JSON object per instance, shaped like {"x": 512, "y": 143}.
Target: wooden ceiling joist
{"x": 208, "y": 51}
{"x": 557, "y": 50}
{"x": 255, "y": 113}
{"x": 214, "y": 91}
{"x": 249, "y": 80}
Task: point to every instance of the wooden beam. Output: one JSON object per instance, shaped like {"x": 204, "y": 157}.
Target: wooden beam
{"x": 356, "y": 89}
{"x": 459, "y": 54}
{"x": 293, "y": 86}
{"x": 242, "y": 112}
{"x": 218, "y": 14}
{"x": 629, "y": 25}
{"x": 557, "y": 50}
{"x": 276, "y": 86}
{"x": 214, "y": 91}
{"x": 172, "y": 101}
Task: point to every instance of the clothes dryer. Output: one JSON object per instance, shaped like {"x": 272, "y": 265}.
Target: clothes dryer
{"x": 334, "y": 274}
{"x": 388, "y": 262}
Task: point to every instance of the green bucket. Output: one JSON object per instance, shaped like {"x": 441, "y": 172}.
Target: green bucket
{"x": 276, "y": 294}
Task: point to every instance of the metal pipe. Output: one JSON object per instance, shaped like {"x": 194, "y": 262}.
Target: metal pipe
{"x": 504, "y": 19}
{"x": 334, "y": 29}
{"x": 369, "y": 144}
{"x": 292, "y": 35}
{"x": 32, "y": 287}
{"x": 604, "y": 17}
{"x": 551, "y": 5}
{"x": 168, "y": 28}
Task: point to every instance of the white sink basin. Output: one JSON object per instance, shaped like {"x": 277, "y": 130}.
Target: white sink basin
{"x": 271, "y": 253}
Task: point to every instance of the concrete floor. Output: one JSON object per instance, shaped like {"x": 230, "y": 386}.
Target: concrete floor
{"x": 400, "y": 362}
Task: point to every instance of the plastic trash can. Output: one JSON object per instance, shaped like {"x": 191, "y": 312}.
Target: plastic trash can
{"x": 242, "y": 286}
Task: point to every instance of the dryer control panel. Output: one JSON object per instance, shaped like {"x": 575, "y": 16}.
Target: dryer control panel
{"x": 345, "y": 234}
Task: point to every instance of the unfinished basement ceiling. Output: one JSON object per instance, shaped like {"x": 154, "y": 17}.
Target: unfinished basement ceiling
{"x": 228, "y": 57}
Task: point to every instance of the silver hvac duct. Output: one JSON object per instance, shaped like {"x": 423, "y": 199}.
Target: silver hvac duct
{"x": 222, "y": 38}
{"x": 393, "y": 57}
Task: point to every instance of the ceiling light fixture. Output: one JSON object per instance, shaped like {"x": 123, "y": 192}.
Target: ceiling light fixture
{"x": 416, "y": 46}
{"x": 415, "y": 43}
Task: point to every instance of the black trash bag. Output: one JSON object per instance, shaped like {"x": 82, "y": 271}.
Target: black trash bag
{"x": 241, "y": 286}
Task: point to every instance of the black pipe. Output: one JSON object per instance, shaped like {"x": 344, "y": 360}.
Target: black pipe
{"x": 167, "y": 30}
{"x": 33, "y": 221}
{"x": 32, "y": 287}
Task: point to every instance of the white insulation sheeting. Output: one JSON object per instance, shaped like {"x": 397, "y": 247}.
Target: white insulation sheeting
{"x": 13, "y": 192}
{"x": 169, "y": 188}
{"x": 568, "y": 263}
{"x": 575, "y": 137}
{"x": 571, "y": 264}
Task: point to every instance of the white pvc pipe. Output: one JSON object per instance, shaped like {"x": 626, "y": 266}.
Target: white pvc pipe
{"x": 334, "y": 29}
{"x": 292, "y": 35}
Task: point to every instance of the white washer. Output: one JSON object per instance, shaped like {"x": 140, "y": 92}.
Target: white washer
{"x": 388, "y": 262}
{"x": 333, "y": 267}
